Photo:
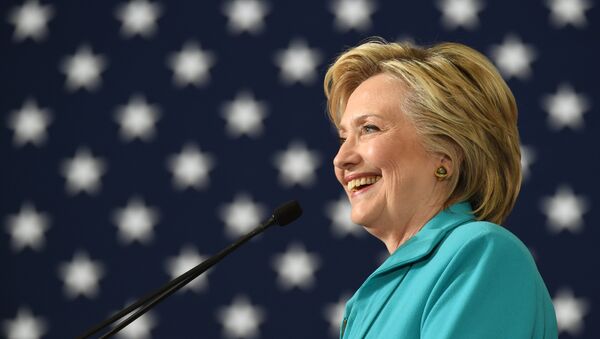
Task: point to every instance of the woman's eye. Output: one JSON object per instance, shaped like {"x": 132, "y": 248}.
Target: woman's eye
{"x": 342, "y": 140}
{"x": 370, "y": 128}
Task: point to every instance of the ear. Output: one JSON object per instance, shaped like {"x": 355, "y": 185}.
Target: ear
{"x": 446, "y": 161}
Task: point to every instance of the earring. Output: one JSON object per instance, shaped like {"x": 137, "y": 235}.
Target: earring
{"x": 441, "y": 173}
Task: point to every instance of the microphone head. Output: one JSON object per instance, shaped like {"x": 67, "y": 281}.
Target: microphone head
{"x": 287, "y": 213}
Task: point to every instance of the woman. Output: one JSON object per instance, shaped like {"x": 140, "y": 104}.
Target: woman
{"x": 430, "y": 161}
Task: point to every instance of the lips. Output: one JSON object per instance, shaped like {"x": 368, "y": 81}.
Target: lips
{"x": 357, "y": 184}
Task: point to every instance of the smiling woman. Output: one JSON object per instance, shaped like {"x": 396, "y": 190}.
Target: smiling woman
{"x": 430, "y": 161}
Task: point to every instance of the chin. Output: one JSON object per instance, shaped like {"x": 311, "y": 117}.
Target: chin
{"x": 361, "y": 217}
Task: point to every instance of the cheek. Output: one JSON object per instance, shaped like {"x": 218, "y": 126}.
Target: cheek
{"x": 378, "y": 155}
{"x": 405, "y": 166}
{"x": 386, "y": 156}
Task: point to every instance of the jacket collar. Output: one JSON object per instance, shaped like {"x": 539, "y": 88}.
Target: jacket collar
{"x": 428, "y": 237}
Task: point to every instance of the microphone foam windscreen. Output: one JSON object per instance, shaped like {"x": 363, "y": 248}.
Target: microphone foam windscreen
{"x": 287, "y": 213}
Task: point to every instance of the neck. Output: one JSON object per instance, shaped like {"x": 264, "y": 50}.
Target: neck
{"x": 396, "y": 234}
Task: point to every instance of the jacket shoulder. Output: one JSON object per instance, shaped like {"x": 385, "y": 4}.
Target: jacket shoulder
{"x": 485, "y": 235}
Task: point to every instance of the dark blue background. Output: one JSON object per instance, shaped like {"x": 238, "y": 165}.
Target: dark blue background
{"x": 296, "y": 112}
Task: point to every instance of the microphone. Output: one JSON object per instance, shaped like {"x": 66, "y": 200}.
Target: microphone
{"x": 287, "y": 213}
{"x": 282, "y": 215}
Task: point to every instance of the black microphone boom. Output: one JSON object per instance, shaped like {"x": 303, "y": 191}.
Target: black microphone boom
{"x": 282, "y": 216}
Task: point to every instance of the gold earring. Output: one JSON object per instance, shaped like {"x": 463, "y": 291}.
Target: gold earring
{"x": 441, "y": 173}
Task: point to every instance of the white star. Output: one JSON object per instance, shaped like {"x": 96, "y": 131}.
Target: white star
{"x": 339, "y": 212}
{"x": 83, "y": 69}
{"x": 244, "y": 115}
{"x": 29, "y": 124}
{"x": 564, "y": 210}
{"x": 296, "y": 267}
{"x": 241, "y": 319}
{"x": 81, "y": 276}
{"x": 27, "y": 228}
{"x": 297, "y": 165}
{"x": 334, "y": 314}
{"x": 138, "y": 17}
{"x": 565, "y": 108}
{"x": 30, "y": 20}
{"x": 564, "y": 12}
{"x": 83, "y": 172}
{"x": 242, "y": 215}
{"x": 140, "y": 328}
{"x": 298, "y": 63}
{"x": 191, "y": 65}
{"x": 569, "y": 312}
{"x": 245, "y": 15}
{"x": 353, "y": 14}
{"x": 137, "y": 119}
{"x": 513, "y": 57}
{"x": 460, "y": 13}
{"x": 190, "y": 168}
{"x": 136, "y": 222}
{"x": 24, "y": 326}
{"x": 527, "y": 158}
{"x": 186, "y": 260}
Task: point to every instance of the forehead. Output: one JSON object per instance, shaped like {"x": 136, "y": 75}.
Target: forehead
{"x": 381, "y": 95}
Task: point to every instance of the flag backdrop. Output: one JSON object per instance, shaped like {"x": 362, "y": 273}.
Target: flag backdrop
{"x": 137, "y": 138}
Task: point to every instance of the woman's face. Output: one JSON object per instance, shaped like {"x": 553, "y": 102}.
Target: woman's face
{"x": 382, "y": 164}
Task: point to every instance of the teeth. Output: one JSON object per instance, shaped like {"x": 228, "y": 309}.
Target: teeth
{"x": 353, "y": 184}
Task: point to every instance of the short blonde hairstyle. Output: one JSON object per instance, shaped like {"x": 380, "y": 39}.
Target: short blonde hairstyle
{"x": 461, "y": 108}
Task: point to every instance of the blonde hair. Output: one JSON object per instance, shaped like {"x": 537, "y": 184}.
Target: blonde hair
{"x": 461, "y": 108}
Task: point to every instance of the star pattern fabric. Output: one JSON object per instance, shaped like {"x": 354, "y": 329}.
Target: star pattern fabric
{"x": 527, "y": 159}
{"x": 246, "y": 16}
{"x": 137, "y": 119}
{"x": 460, "y": 13}
{"x": 298, "y": 63}
{"x": 353, "y": 14}
{"x": 29, "y": 124}
{"x": 570, "y": 312}
{"x": 514, "y": 58}
{"x": 334, "y": 314}
{"x": 242, "y": 215}
{"x": 187, "y": 259}
{"x": 139, "y": 137}
{"x": 141, "y": 328}
{"x": 81, "y": 276}
{"x": 564, "y": 210}
{"x": 339, "y": 213}
{"x": 241, "y": 319}
{"x": 138, "y": 17}
{"x": 191, "y": 65}
{"x": 83, "y": 69}
{"x": 31, "y": 20}
{"x": 565, "y": 108}
{"x": 136, "y": 222}
{"x": 244, "y": 116}
{"x": 27, "y": 228}
{"x": 83, "y": 172}
{"x": 568, "y": 12}
{"x": 297, "y": 165}
{"x": 296, "y": 267}
{"x": 191, "y": 167}
{"x": 24, "y": 326}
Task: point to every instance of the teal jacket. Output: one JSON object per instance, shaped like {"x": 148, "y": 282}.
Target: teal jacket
{"x": 456, "y": 278}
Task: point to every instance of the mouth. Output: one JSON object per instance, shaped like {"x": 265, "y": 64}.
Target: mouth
{"x": 359, "y": 184}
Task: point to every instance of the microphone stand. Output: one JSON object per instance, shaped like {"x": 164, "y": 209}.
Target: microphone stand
{"x": 145, "y": 303}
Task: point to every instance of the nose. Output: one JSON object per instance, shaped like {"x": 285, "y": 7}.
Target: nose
{"x": 347, "y": 156}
